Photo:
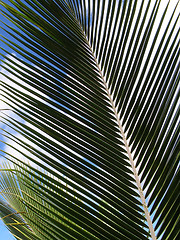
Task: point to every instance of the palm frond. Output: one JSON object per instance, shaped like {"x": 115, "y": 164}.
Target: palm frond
{"x": 95, "y": 141}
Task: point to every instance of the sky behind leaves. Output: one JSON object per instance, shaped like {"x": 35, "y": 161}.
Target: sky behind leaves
{"x": 4, "y": 233}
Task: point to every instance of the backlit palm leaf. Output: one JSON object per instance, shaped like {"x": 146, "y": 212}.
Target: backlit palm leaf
{"x": 94, "y": 86}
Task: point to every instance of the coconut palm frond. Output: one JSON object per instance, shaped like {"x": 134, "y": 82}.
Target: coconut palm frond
{"x": 92, "y": 136}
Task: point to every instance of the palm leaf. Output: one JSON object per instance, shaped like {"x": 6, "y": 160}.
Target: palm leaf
{"x": 95, "y": 141}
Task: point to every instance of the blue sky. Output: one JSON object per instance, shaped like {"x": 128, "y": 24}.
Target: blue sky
{"x": 2, "y": 18}
{"x": 4, "y": 232}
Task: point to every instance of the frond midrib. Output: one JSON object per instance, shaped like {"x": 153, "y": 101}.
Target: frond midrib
{"x": 125, "y": 141}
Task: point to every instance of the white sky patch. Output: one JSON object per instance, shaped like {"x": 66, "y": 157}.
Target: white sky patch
{"x": 155, "y": 46}
{"x": 15, "y": 78}
{"x": 160, "y": 13}
{"x": 162, "y": 7}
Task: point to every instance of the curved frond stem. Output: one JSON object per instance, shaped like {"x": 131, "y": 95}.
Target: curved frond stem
{"x": 141, "y": 194}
